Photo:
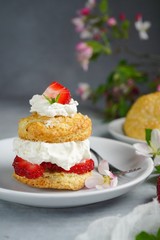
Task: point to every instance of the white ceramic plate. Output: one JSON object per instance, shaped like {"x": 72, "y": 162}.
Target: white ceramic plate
{"x": 115, "y": 128}
{"x": 120, "y": 154}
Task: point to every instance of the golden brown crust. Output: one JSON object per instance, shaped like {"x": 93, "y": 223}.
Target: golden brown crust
{"x": 63, "y": 181}
{"x": 55, "y": 130}
{"x": 145, "y": 113}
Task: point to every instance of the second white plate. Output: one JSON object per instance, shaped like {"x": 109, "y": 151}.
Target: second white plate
{"x": 115, "y": 128}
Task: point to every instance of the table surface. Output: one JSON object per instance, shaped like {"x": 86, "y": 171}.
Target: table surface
{"x": 19, "y": 222}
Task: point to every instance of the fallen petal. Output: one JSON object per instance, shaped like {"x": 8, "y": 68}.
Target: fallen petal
{"x": 103, "y": 166}
{"x": 157, "y": 160}
{"x": 114, "y": 181}
{"x": 94, "y": 180}
{"x": 143, "y": 149}
{"x": 99, "y": 187}
{"x": 109, "y": 174}
{"x": 106, "y": 185}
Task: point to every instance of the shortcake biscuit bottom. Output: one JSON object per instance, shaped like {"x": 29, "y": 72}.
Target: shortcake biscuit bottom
{"x": 62, "y": 181}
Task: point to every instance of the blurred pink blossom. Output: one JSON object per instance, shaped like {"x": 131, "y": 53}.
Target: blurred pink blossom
{"x": 86, "y": 34}
{"x": 158, "y": 88}
{"x": 84, "y": 53}
{"x": 84, "y": 90}
{"x": 130, "y": 82}
{"x": 122, "y": 16}
{"x": 85, "y": 11}
{"x": 78, "y": 23}
{"x": 138, "y": 17}
{"x": 91, "y": 4}
{"x": 111, "y": 22}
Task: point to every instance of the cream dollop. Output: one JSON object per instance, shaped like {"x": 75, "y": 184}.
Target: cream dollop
{"x": 65, "y": 154}
{"x": 41, "y": 105}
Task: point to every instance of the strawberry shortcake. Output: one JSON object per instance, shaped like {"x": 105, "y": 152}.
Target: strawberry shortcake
{"x": 52, "y": 148}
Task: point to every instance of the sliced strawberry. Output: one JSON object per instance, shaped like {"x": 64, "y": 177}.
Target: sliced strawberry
{"x": 57, "y": 93}
{"x": 26, "y": 169}
{"x": 158, "y": 189}
{"x": 79, "y": 168}
{"x": 29, "y": 170}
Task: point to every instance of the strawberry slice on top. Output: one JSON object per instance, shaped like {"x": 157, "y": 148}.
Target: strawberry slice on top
{"x": 57, "y": 93}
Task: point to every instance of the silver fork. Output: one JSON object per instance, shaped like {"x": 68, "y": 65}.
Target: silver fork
{"x": 112, "y": 168}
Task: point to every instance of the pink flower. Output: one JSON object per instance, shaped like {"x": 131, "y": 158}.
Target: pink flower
{"x": 130, "y": 82}
{"x": 122, "y": 16}
{"x": 84, "y": 53}
{"x": 111, "y": 22}
{"x": 85, "y": 11}
{"x": 138, "y": 17}
{"x": 86, "y": 34}
{"x": 158, "y": 88}
{"x": 79, "y": 24}
{"x": 103, "y": 179}
{"x": 84, "y": 90}
{"x": 91, "y": 4}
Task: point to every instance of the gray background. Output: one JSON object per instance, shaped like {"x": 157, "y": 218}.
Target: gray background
{"x": 36, "y": 47}
{"x": 37, "y": 43}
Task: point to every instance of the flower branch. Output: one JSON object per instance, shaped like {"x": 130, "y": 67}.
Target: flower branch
{"x": 104, "y": 34}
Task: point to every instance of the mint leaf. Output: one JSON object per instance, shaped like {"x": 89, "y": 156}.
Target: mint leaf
{"x": 57, "y": 97}
{"x": 52, "y": 100}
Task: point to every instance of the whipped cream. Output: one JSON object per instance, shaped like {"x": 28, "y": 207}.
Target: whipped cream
{"x": 65, "y": 154}
{"x": 41, "y": 105}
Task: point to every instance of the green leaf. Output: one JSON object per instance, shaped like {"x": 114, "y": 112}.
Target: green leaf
{"x": 116, "y": 32}
{"x": 107, "y": 50}
{"x": 98, "y": 49}
{"x": 111, "y": 112}
{"x": 98, "y": 92}
{"x": 94, "y": 56}
{"x": 148, "y": 135}
{"x": 96, "y": 46}
{"x": 157, "y": 170}
{"x": 158, "y": 232}
{"x": 103, "y": 6}
{"x": 123, "y": 107}
{"x": 125, "y": 24}
{"x": 145, "y": 236}
{"x": 125, "y": 71}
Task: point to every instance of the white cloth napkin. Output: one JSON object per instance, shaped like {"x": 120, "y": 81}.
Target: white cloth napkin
{"x": 145, "y": 217}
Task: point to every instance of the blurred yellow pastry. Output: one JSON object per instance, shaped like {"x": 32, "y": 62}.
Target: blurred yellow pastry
{"x": 144, "y": 113}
